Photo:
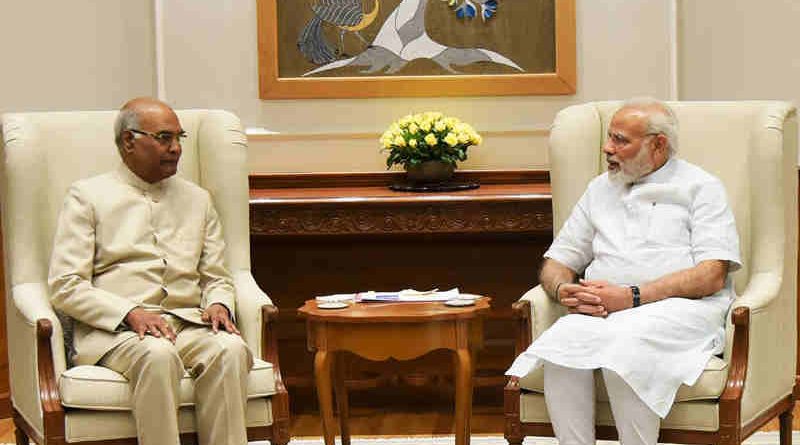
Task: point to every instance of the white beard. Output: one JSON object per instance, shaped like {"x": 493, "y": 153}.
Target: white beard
{"x": 632, "y": 170}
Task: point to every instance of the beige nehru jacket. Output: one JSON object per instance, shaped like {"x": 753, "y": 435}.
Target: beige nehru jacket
{"x": 121, "y": 243}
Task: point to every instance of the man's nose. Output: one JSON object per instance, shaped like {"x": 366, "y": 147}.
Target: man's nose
{"x": 175, "y": 146}
{"x": 609, "y": 148}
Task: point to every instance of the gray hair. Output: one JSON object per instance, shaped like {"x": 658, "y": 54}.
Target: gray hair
{"x": 127, "y": 119}
{"x": 661, "y": 119}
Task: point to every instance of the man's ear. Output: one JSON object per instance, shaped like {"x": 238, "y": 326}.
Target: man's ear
{"x": 661, "y": 143}
{"x": 127, "y": 141}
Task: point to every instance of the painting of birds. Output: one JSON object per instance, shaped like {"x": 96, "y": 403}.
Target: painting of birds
{"x": 345, "y": 15}
{"x": 403, "y": 38}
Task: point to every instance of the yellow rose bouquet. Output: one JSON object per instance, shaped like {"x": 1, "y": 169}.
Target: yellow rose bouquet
{"x": 429, "y": 136}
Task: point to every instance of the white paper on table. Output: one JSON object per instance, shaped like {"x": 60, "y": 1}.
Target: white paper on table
{"x": 409, "y": 295}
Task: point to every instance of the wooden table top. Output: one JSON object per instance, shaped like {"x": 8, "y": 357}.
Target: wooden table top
{"x": 382, "y": 194}
{"x": 382, "y": 312}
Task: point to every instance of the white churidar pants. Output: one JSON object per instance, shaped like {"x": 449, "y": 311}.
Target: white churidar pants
{"x": 569, "y": 395}
{"x": 219, "y": 364}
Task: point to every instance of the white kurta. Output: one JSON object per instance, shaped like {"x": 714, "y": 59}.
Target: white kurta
{"x": 670, "y": 220}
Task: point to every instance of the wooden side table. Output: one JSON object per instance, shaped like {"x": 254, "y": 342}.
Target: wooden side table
{"x": 403, "y": 331}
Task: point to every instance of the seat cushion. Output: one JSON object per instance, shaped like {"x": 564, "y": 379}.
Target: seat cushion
{"x": 81, "y": 425}
{"x": 700, "y": 415}
{"x": 709, "y": 386}
{"x": 99, "y": 388}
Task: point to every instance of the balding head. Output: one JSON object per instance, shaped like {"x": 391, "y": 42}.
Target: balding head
{"x": 130, "y": 113}
{"x": 148, "y": 136}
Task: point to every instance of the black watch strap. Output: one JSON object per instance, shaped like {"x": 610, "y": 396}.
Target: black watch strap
{"x": 637, "y": 296}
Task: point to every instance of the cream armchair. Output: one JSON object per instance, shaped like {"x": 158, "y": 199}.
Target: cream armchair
{"x": 752, "y": 148}
{"x": 43, "y": 153}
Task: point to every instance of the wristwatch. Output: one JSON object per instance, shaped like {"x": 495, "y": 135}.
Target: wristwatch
{"x": 637, "y": 296}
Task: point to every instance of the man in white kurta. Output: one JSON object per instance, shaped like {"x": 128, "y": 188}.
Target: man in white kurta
{"x": 138, "y": 264}
{"x": 655, "y": 241}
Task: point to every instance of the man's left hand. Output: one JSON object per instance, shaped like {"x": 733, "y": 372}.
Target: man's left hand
{"x": 217, "y": 314}
{"x": 613, "y": 298}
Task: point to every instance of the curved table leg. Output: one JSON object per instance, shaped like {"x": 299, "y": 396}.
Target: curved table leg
{"x": 342, "y": 402}
{"x": 463, "y": 410}
{"x": 322, "y": 372}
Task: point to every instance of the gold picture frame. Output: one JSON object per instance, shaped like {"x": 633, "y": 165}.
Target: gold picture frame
{"x": 560, "y": 79}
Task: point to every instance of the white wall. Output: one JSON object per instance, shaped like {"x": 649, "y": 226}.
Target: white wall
{"x": 212, "y": 62}
{"x": 76, "y": 54}
{"x": 740, "y": 49}
{"x": 88, "y": 54}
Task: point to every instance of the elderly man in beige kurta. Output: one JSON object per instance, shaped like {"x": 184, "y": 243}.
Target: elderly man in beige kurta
{"x": 138, "y": 264}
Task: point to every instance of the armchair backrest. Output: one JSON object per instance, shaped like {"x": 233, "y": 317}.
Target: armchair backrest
{"x": 46, "y": 152}
{"x": 751, "y": 146}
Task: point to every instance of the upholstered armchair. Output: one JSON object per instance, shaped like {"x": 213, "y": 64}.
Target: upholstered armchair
{"x": 53, "y": 403}
{"x": 752, "y": 148}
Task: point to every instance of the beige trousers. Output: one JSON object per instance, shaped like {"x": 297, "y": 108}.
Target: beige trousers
{"x": 219, "y": 364}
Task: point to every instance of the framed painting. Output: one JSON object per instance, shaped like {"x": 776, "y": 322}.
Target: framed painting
{"x": 415, "y": 48}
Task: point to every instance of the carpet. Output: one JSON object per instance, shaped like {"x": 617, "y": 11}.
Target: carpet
{"x": 761, "y": 438}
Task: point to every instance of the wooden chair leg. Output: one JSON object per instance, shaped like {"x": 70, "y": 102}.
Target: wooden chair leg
{"x": 513, "y": 425}
{"x": 280, "y": 416}
{"x": 785, "y": 420}
{"x": 21, "y": 437}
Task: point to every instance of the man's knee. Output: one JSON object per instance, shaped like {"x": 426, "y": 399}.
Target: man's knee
{"x": 232, "y": 347}
{"x": 160, "y": 355}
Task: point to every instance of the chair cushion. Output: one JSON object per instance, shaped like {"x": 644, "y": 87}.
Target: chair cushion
{"x": 81, "y": 425}
{"x": 699, "y": 415}
{"x": 99, "y": 388}
{"x": 709, "y": 386}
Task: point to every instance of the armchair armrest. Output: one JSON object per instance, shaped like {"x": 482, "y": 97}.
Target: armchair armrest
{"x": 33, "y": 303}
{"x": 762, "y": 289}
{"x": 544, "y": 311}
{"x": 730, "y": 401}
{"x": 280, "y": 401}
{"x": 758, "y": 317}
{"x": 249, "y": 302}
{"x": 256, "y": 315}
{"x": 52, "y": 411}
{"x": 34, "y": 376}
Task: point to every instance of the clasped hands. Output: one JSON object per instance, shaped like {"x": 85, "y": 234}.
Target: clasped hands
{"x": 594, "y": 297}
{"x": 151, "y": 323}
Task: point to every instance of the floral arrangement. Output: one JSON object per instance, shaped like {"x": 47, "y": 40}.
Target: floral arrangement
{"x": 429, "y": 136}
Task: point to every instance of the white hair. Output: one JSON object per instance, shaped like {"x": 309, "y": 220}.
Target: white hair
{"x": 661, "y": 119}
{"x": 127, "y": 119}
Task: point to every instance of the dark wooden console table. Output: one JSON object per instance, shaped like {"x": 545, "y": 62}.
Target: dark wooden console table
{"x": 316, "y": 234}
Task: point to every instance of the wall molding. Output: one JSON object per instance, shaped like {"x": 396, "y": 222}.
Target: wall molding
{"x": 259, "y": 136}
{"x": 674, "y": 48}
{"x": 158, "y": 31}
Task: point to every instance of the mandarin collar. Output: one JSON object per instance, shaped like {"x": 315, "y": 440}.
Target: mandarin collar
{"x": 128, "y": 177}
{"x": 663, "y": 174}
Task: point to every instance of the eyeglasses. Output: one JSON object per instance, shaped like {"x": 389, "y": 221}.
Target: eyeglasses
{"x": 618, "y": 140}
{"x": 165, "y": 138}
